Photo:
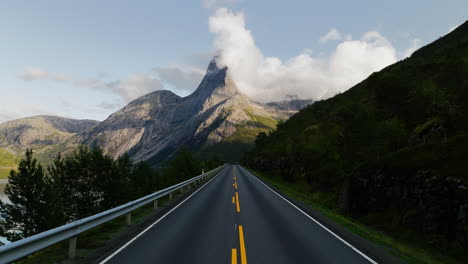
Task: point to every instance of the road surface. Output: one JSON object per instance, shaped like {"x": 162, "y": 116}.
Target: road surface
{"x": 235, "y": 218}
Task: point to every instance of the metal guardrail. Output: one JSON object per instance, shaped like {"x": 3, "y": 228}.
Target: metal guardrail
{"x": 29, "y": 245}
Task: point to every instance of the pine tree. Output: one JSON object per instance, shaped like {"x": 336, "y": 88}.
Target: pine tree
{"x": 83, "y": 196}
{"x": 62, "y": 190}
{"x": 29, "y": 211}
{"x": 184, "y": 166}
{"x": 143, "y": 180}
{"x": 113, "y": 181}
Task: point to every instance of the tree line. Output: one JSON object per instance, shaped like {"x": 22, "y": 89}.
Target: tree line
{"x": 82, "y": 183}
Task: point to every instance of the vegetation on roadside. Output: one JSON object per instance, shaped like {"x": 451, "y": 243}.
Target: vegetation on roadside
{"x": 81, "y": 184}
{"x": 391, "y": 151}
{"x": 412, "y": 249}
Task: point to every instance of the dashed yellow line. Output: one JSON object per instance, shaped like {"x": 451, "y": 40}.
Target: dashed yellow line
{"x": 237, "y": 203}
{"x": 233, "y": 199}
{"x": 243, "y": 254}
{"x": 234, "y": 256}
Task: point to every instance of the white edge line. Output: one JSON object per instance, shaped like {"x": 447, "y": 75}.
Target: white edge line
{"x": 153, "y": 224}
{"x": 317, "y": 222}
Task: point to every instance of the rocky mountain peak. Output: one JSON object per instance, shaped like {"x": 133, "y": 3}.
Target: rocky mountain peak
{"x": 216, "y": 87}
{"x": 217, "y": 80}
{"x": 214, "y": 66}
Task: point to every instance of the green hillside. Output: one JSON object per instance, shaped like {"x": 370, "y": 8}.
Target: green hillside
{"x": 231, "y": 149}
{"x": 7, "y": 159}
{"x": 392, "y": 151}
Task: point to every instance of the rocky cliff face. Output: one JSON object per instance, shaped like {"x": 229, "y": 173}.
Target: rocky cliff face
{"x": 156, "y": 125}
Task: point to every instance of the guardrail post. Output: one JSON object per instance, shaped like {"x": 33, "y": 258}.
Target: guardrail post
{"x": 128, "y": 218}
{"x": 155, "y": 204}
{"x": 170, "y": 197}
{"x": 72, "y": 247}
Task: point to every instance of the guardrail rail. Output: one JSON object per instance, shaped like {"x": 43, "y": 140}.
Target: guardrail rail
{"x": 32, "y": 244}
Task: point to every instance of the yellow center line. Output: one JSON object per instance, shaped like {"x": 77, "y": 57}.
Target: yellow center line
{"x": 233, "y": 199}
{"x": 242, "y": 246}
{"x": 234, "y": 256}
{"x": 237, "y": 202}
{"x": 235, "y": 185}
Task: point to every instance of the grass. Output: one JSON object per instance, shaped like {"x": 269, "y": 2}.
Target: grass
{"x": 265, "y": 122}
{"x": 411, "y": 251}
{"x": 4, "y": 173}
{"x": 96, "y": 238}
{"x": 7, "y": 159}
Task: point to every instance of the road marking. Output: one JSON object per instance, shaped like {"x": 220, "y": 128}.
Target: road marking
{"x": 242, "y": 246}
{"x": 237, "y": 203}
{"x": 235, "y": 185}
{"x": 317, "y": 222}
{"x": 157, "y": 221}
{"x": 233, "y": 199}
{"x": 234, "y": 256}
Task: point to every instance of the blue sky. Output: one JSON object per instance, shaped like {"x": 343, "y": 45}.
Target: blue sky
{"x": 86, "y": 59}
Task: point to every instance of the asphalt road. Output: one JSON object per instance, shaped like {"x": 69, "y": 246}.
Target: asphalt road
{"x": 235, "y": 218}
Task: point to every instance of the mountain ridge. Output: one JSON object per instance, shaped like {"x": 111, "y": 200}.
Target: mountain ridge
{"x": 41, "y": 133}
{"x": 153, "y": 127}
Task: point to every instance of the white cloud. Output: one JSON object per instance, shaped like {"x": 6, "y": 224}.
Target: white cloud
{"x": 270, "y": 78}
{"x": 31, "y": 74}
{"x": 183, "y": 78}
{"x": 333, "y": 34}
{"x": 415, "y": 44}
{"x": 133, "y": 86}
{"x": 217, "y": 3}
{"x": 128, "y": 88}
{"x": 108, "y": 105}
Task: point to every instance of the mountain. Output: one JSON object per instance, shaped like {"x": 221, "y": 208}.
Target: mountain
{"x": 215, "y": 116}
{"x": 392, "y": 150}
{"x": 41, "y": 133}
{"x": 291, "y": 105}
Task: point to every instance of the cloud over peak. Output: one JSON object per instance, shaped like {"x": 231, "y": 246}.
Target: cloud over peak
{"x": 270, "y": 78}
{"x": 128, "y": 88}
